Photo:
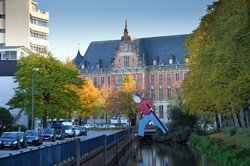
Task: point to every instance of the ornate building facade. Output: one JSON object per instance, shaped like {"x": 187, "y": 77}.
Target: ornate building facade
{"x": 157, "y": 64}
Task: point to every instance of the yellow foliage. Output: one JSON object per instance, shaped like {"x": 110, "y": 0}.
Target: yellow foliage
{"x": 128, "y": 83}
{"x": 90, "y": 96}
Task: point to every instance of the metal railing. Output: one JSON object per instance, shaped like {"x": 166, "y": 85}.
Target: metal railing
{"x": 63, "y": 151}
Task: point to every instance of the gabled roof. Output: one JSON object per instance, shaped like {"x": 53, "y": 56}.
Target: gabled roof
{"x": 153, "y": 48}
{"x": 8, "y": 67}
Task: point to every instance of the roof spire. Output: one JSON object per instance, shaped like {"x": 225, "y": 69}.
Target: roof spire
{"x": 126, "y": 28}
{"x": 126, "y": 36}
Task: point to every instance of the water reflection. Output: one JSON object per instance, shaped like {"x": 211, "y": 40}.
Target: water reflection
{"x": 166, "y": 155}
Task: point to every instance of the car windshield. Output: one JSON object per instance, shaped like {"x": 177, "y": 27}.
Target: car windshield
{"x": 9, "y": 135}
{"x": 66, "y": 127}
{"x": 31, "y": 133}
{"x": 47, "y": 131}
{"x": 58, "y": 131}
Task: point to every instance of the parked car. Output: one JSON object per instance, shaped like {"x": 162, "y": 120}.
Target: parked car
{"x": 49, "y": 134}
{"x": 33, "y": 137}
{"x": 68, "y": 127}
{"x": 83, "y": 130}
{"x": 89, "y": 126}
{"x": 23, "y": 139}
{"x": 77, "y": 131}
{"x": 60, "y": 134}
{"x": 10, "y": 140}
{"x": 59, "y": 130}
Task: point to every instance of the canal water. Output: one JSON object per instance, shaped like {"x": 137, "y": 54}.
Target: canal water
{"x": 165, "y": 155}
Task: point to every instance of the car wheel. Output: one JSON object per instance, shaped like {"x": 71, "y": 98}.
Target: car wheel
{"x": 18, "y": 146}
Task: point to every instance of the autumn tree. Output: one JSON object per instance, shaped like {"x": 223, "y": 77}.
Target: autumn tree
{"x": 90, "y": 99}
{"x": 53, "y": 95}
{"x": 126, "y": 104}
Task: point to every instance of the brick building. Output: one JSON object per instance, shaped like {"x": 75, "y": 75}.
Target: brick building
{"x": 157, "y": 64}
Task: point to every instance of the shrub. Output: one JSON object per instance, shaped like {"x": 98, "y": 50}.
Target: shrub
{"x": 232, "y": 131}
{"x": 16, "y": 128}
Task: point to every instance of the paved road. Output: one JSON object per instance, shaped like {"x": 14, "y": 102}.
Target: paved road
{"x": 91, "y": 134}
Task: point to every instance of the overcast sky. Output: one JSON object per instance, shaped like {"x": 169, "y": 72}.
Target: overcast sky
{"x": 76, "y": 23}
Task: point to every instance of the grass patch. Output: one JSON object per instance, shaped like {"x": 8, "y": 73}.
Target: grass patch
{"x": 227, "y": 146}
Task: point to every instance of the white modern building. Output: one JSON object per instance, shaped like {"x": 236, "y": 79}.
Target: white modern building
{"x": 23, "y": 30}
{"x": 23, "y": 25}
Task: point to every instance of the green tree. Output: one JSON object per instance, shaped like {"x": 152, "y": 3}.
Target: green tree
{"x": 6, "y": 120}
{"x": 219, "y": 79}
{"x": 53, "y": 95}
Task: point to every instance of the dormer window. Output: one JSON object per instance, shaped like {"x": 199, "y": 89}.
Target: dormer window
{"x": 170, "y": 61}
{"x": 125, "y": 47}
{"x": 154, "y": 62}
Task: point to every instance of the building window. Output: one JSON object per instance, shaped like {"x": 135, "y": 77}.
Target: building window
{"x": 119, "y": 80}
{"x": 102, "y": 81}
{"x": 126, "y": 61}
{"x": 184, "y": 75}
{"x": 169, "y": 92}
{"x": 109, "y": 80}
{"x": 152, "y": 94}
{"x": 152, "y": 79}
{"x": 37, "y": 48}
{"x": 177, "y": 77}
{"x": 125, "y": 47}
{"x": 39, "y": 35}
{"x": 160, "y": 111}
{"x": 95, "y": 81}
{"x": 9, "y": 55}
{"x": 2, "y": 30}
{"x": 160, "y": 79}
{"x": 168, "y": 79}
{"x": 160, "y": 94}
{"x": 177, "y": 91}
{"x": 134, "y": 77}
{"x": 2, "y": 15}
{"x": 38, "y": 21}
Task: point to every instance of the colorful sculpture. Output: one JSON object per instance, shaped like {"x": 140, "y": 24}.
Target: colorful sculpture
{"x": 145, "y": 106}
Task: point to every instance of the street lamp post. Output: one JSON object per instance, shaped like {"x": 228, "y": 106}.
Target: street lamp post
{"x": 32, "y": 98}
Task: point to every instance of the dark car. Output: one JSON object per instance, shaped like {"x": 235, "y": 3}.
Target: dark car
{"x": 60, "y": 134}
{"x": 59, "y": 131}
{"x": 33, "y": 137}
{"x": 49, "y": 134}
{"x": 83, "y": 130}
{"x": 77, "y": 131}
{"x": 10, "y": 140}
{"x": 23, "y": 139}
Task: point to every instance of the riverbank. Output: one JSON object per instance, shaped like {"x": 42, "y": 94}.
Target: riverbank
{"x": 229, "y": 146}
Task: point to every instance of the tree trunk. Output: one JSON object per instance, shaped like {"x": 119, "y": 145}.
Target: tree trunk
{"x": 234, "y": 125}
{"x": 222, "y": 120}
{"x": 217, "y": 120}
{"x": 238, "y": 119}
{"x": 246, "y": 118}
{"x": 44, "y": 122}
